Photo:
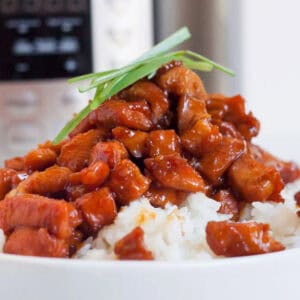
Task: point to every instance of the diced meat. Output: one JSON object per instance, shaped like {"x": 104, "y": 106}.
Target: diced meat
{"x": 181, "y": 81}
{"x": 134, "y": 140}
{"x": 54, "y": 147}
{"x": 131, "y": 246}
{"x": 238, "y": 239}
{"x": 289, "y": 171}
{"x": 110, "y": 152}
{"x": 127, "y": 182}
{"x": 227, "y": 129}
{"x": 76, "y": 153}
{"x": 232, "y": 110}
{"x": 52, "y": 181}
{"x": 114, "y": 112}
{"x": 201, "y": 138}
{"x": 252, "y": 181}
{"x": 215, "y": 163}
{"x": 146, "y": 90}
{"x": 59, "y": 217}
{"x": 35, "y": 242}
{"x": 6, "y": 181}
{"x": 98, "y": 209}
{"x": 160, "y": 197}
{"x": 15, "y": 163}
{"x": 175, "y": 172}
{"x": 190, "y": 110}
{"x": 297, "y": 198}
{"x": 162, "y": 142}
{"x": 39, "y": 159}
{"x": 229, "y": 204}
{"x": 95, "y": 174}
{"x": 74, "y": 191}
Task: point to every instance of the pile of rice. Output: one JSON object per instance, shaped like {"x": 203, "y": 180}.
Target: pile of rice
{"x": 178, "y": 233}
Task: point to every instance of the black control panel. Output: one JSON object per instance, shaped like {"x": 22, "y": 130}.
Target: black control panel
{"x": 41, "y": 39}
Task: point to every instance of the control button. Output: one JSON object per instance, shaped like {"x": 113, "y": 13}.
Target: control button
{"x": 77, "y": 5}
{"x": 8, "y": 6}
{"x": 22, "y": 105}
{"x": 23, "y": 47}
{"x": 71, "y": 65}
{"x": 22, "y": 136}
{"x": 45, "y": 45}
{"x": 68, "y": 44}
{"x": 22, "y": 67}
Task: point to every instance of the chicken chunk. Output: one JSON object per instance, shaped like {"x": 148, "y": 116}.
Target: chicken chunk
{"x": 35, "y": 242}
{"x": 75, "y": 154}
{"x": 132, "y": 246}
{"x": 173, "y": 171}
{"x": 163, "y": 142}
{"x": 215, "y": 163}
{"x": 57, "y": 216}
{"x": 6, "y": 181}
{"x": 238, "y": 239}
{"x": 146, "y": 90}
{"x": 110, "y": 152}
{"x": 127, "y": 182}
{"x": 98, "y": 209}
{"x": 133, "y": 140}
{"x": 252, "y": 181}
{"x": 39, "y": 159}
{"x": 181, "y": 81}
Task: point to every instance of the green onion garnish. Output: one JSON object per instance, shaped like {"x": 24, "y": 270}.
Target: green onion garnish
{"x": 109, "y": 83}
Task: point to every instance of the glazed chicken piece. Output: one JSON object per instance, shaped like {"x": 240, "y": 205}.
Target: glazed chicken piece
{"x": 75, "y": 154}
{"x": 162, "y": 142}
{"x": 239, "y": 239}
{"x": 175, "y": 172}
{"x": 6, "y": 181}
{"x": 133, "y": 140}
{"x": 180, "y": 81}
{"x": 289, "y": 171}
{"x": 35, "y": 242}
{"x": 98, "y": 209}
{"x": 52, "y": 181}
{"x": 160, "y": 196}
{"x": 110, "y": 152}
{"x": 215, "y": 163}
{"x": 190, "y": 110}
{"x": 39, "y": 159}
{"x": 127, "y": 182}
{"x": 132, "y": 246}
{"x": 116, "y": 112}
{"x": 57, "y": 216}
{"x": 146, "y": 90}
{"x": 252, "y": 181}
{"x": 15, "y": 163}
{"x": 95, "y": 174}
{"x": 232, "y": 110}
{"x": 229, "y": 204}
{"x": 203, "y": 137}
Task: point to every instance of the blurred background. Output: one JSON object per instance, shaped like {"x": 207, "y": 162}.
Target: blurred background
{"x": 44, "y": 42}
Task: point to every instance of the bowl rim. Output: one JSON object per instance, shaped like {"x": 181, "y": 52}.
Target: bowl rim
{"x": 94, "y": 263}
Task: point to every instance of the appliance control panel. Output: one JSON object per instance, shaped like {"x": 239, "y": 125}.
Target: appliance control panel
{"x": 44, "y": 42}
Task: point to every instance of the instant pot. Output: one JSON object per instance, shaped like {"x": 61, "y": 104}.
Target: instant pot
{"x": 44, "y": 42}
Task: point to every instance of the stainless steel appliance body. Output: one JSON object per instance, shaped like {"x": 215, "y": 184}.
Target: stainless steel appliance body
{"x": 44, "y": 42}
{"x": 216, "y": 33}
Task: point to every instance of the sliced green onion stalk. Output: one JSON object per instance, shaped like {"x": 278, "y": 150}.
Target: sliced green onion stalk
{"x": 108, "y": 83}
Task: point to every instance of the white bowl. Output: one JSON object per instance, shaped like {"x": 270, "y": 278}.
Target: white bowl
{"x": 271, "y": 276}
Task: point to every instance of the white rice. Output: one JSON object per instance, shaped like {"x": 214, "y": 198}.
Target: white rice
{"x": 178, "y": 233}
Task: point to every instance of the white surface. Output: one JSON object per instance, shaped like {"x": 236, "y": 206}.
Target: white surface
{"x": 271, "y": 64}
{"x": 268, "y": 277}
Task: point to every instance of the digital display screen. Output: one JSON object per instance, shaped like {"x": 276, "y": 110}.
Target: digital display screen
{"x": 43, "y": 39}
